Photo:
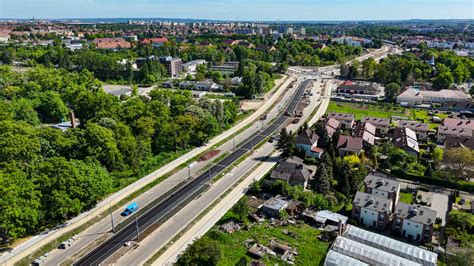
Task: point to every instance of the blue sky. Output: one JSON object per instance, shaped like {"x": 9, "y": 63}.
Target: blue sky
{"x": 243, "y": 9}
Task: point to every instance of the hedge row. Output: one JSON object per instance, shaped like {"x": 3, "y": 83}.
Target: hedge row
{"x": 459, "y": 185}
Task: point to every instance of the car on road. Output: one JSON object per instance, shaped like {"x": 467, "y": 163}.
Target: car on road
{"x": 130, "y": 209}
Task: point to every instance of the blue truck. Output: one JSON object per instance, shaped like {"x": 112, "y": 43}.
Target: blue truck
{"x": 130, "y": 209}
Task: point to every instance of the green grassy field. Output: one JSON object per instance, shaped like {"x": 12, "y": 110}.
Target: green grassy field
{"x": 311, "y": 250}
{"x": 382, "y": 110}
{"x": 406, "y": 197}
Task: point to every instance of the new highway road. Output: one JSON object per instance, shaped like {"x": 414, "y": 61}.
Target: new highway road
{"x": 175, "y": 201}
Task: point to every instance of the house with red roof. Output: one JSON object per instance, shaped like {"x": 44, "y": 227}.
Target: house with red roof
{"x": 112, "y": 43}
{"x": 156, "y": 42}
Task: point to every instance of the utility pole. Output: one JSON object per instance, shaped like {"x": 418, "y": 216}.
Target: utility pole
{"x": 112, "y": 219}
{"x": 136, "y": 224}
{"x": 233, "y": 143}
{"x": 189, "y": 171}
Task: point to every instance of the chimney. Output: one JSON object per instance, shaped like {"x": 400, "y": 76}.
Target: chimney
{"x": 73, "y": 119}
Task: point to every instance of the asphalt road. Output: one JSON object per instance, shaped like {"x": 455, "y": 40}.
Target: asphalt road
{"x": 189, "y": 190}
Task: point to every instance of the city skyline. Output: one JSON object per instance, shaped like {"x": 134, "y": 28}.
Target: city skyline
{"x": 260, "y": 10}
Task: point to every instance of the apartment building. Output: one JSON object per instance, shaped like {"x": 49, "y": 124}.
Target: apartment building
{"x": 414, "y": 222}
{"x": 173, "y": 65}
{"x": 413, "y": 96}
{"x": 371, "y": 211}
{"x": 383, "y": 188}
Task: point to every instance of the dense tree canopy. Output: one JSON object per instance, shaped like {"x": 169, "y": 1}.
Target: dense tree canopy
{"x": 48, "y": 176}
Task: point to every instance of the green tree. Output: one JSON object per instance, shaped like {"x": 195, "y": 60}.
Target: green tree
{"x": 51, "y": 108}
{"x": 18, "y": 143}
{"x": 102, "y": 145}
{"x": 458, "y": 159}
{"x": 67, "y": 187}
{"x": 286, "y": 142}
{"x": 203, "y": 252}
{"x": 322, "y": 180}
{"x": 19, "y": 205}
{"x": 443, "y": 81}
{"x": 391, "y": 91}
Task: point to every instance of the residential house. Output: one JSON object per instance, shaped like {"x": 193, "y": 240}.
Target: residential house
{"x": 191, "y": 66}
{"x": 371, "y": 211}
{"x": 361, "y": 90}
{"x": 383, "y": 188}
{"x": 293, "y": 171}
{"x": 346, "y": 120}
{"x": 307, "y": 141}
{"x": 226, "y": 68}
{"x": 366, "y": 131}
{"x": 421, "y": 129}
{"x": 4, "y": 37}
{"x": 414, "y": 221}
{"x": 265, "y": 48}
{"x": 414, "y": 96}
{"x": 332, "y": 126}
{"x": 349, "y": 145}
{"x": 445, "y": 132}
{"x": 112, "y": 43}
{"x": 405, "y": 139}
{"x": 455, "y": 142}
{"x": 454, "y": 127}
{"x": 381, "y": 124}
{"x": 205, "y": 85}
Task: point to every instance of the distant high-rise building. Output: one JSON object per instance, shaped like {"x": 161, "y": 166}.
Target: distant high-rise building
{"x": 302, "y": 31}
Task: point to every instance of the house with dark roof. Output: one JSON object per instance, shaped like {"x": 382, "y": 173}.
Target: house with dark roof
{"x": 421, "y": 129}
{"x": 381, "y": 124}
{"x": 454, "y": 127}
{"x": 293, "y": 171}
{"x": 332, "y": 126}
{"x": 366, "y": 131}
{"x": 405, "y": 139}
{"x": 455, "y": 142}
{"x": 349, "y": 145}
{"x": 371, "y": 211}
{"x": 307, "y": 141}
{"x": 414, "y": 222}
{"x": 346, "y": 120}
